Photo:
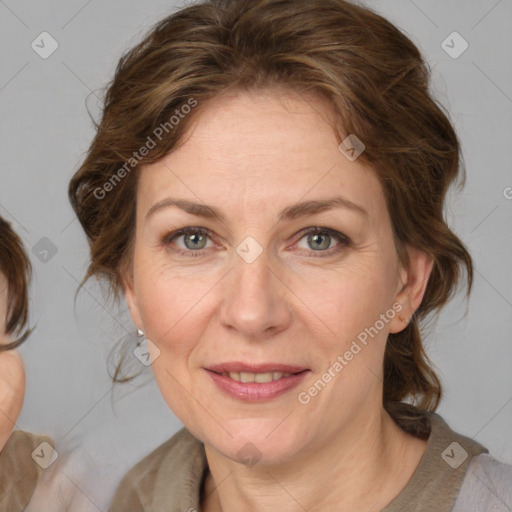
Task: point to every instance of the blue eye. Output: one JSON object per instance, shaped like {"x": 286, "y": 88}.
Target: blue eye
{"x": 194, "y": 241}
{"x": 319, "y": 240}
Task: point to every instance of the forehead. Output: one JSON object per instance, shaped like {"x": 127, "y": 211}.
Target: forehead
{"x": 266, "y": 146}
{"x": 265, "y": 125}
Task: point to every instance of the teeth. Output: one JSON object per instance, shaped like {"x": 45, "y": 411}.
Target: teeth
{"x": 263, "y": 377}
{"x": 255, "y": 377}
{"x": 246, "y": 377}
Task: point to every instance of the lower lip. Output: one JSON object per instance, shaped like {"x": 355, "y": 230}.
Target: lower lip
{"x": 256, "y": 391}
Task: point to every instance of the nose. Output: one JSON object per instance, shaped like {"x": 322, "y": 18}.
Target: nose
{"x": 255, "y": 300}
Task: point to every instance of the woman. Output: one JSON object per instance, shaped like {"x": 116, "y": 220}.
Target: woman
{"x": 23, "y": 456}
{"x": 266, "y": 189}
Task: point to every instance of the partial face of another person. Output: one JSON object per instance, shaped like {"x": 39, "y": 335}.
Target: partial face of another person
{"x": 12, "y": 374}
{"x": 4, "y": 291}
{"x": 255, "y": 279}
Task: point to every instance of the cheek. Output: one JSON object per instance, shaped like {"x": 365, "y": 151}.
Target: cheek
{"x": 174, "y": 318}
{"x": 173, "y": 308}
{"x": 348, "y": 300}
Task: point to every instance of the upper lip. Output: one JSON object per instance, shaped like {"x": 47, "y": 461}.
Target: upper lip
{"x": 235, "y": 366}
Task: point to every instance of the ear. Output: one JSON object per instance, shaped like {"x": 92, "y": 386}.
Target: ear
{"x": 414, "y": 280}
{"x": 131, "y": 298}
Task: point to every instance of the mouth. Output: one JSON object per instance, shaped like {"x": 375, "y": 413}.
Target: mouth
{"x": 255, "y": 383}
{"x": 250, "y": 372}
{"x": 255, "y": 377}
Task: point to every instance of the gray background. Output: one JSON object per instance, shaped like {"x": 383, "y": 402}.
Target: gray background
{"x": 44, "y": 133}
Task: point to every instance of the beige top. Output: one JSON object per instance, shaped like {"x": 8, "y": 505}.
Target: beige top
{"x": 170, "y": 478}
{"x": 19, "y": 472}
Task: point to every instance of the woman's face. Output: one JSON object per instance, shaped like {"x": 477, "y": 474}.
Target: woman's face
{"x": 257, "y": 286}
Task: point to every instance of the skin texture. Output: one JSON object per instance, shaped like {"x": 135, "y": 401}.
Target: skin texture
{"x": 251, "y": 155}
{"x": 12, "y": 376}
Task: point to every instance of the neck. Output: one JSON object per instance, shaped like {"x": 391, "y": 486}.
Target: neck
{"x": 364, "y": 467}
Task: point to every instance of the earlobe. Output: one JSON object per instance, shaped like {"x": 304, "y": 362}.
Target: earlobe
{"x": 415, "y": 283}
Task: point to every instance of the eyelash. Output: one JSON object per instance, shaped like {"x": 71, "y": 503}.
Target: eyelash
{"x": 343, "y": 240}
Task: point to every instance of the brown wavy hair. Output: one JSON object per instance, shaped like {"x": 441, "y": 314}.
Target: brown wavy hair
{"x": 376, "y": 82}
{"x": 16, "y": 267}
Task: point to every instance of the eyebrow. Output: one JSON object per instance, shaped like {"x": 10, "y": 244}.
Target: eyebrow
{"x": 289, "y": 213}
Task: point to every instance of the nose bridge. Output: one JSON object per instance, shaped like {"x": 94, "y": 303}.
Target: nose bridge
{"x": 253, "y": 304}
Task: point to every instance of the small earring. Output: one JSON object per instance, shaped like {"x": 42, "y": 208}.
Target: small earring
{"x": 140, "y": 333}
{"x": 405, "y": 320}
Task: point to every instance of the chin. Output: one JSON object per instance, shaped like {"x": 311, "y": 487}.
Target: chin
{"x": 255, "y": 441}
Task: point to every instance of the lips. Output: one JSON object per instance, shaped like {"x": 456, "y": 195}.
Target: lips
{"x": 256, "y": 382}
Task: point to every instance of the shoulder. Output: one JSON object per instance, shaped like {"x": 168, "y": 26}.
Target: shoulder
{"x": 440, "y": 473}
{"x": 180, "y": 446}
{"x": 22, "y": 463}
{"x": 162, "y": 475}
{"x": 459, "y": 469}
{"x": 20, "y": 451}
{"x": 487, "y": 486}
